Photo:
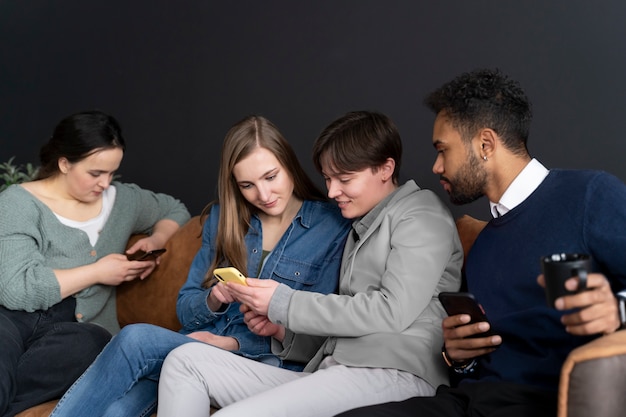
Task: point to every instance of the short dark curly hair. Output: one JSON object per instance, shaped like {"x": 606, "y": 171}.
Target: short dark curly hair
{"x": 485, "y": 98}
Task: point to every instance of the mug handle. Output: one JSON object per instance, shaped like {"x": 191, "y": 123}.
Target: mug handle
{"x": 581, "y": 273}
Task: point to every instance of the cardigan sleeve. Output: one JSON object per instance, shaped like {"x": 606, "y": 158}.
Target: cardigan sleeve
{"x": 26, "y": 281}
{"x": 143, "y": 208}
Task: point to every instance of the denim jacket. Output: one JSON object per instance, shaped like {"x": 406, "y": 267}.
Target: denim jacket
{"x": 307, "y": 257}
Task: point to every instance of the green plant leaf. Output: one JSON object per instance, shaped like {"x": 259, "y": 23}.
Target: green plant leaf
{"x": 15, "y": 174}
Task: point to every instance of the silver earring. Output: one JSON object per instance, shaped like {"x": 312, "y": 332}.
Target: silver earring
{"x": 484, "y": 157}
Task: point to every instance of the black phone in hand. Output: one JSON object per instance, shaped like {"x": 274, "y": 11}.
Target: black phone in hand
{"x": 145, "y": 256}
{"x": 465, "y": 303}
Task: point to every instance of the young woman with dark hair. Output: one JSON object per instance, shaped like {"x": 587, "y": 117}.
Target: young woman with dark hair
{"x": 62, "y": 242}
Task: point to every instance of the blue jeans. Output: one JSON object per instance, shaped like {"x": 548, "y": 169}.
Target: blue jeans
{"x": 42, "y": 353}
{"x": 123, "y": 380}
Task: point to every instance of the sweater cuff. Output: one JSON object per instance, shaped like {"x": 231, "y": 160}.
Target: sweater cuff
{"x": 278, "y": 309}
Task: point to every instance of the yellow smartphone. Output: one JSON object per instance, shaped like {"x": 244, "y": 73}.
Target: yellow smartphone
{"x": 229, "y": 274}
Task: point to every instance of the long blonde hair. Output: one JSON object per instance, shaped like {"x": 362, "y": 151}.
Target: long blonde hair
{"x": 235, "y": 211}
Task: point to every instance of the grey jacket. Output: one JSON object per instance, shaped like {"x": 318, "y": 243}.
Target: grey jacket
{"x": 386, "y": 314}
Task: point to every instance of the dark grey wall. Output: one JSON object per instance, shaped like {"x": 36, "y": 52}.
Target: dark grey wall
{"x": 178, "y": 74}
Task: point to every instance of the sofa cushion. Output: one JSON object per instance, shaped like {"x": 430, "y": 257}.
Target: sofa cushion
{"x": 153, "y": 300}
{"x": 41, "y": 410}
{"x": 468, "y": 228}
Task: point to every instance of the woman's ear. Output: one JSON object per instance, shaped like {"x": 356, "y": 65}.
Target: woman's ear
{"x": 64, "y": 165}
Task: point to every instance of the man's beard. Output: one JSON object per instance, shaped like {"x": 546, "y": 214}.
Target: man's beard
{"x": 469, "y": 183}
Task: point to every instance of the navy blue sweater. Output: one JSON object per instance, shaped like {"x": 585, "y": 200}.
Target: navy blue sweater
{"x": 571, "y": 211}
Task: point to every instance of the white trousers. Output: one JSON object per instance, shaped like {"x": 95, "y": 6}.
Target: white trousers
{"x": 196, "y": 376}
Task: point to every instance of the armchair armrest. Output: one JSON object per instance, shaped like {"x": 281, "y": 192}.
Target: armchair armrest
{"x": 593, "y": 378}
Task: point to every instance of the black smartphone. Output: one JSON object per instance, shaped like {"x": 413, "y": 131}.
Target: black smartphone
{"x": 144, "y": 256}
{"x": 464, "y": 303}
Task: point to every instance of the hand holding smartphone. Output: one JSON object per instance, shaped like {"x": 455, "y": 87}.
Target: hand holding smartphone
{"x": 141, "y": 255}
{"x": 464, "y": 303}
{"x": 229, "y": 274}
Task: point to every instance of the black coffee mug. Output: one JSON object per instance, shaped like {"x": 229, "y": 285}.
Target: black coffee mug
{"x": 558, "y": 268}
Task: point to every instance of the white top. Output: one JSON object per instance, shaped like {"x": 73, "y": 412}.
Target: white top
{"x": 94, "y": 226}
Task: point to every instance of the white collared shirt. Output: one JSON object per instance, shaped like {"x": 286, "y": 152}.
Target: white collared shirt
{"x": 522, "y": 186}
